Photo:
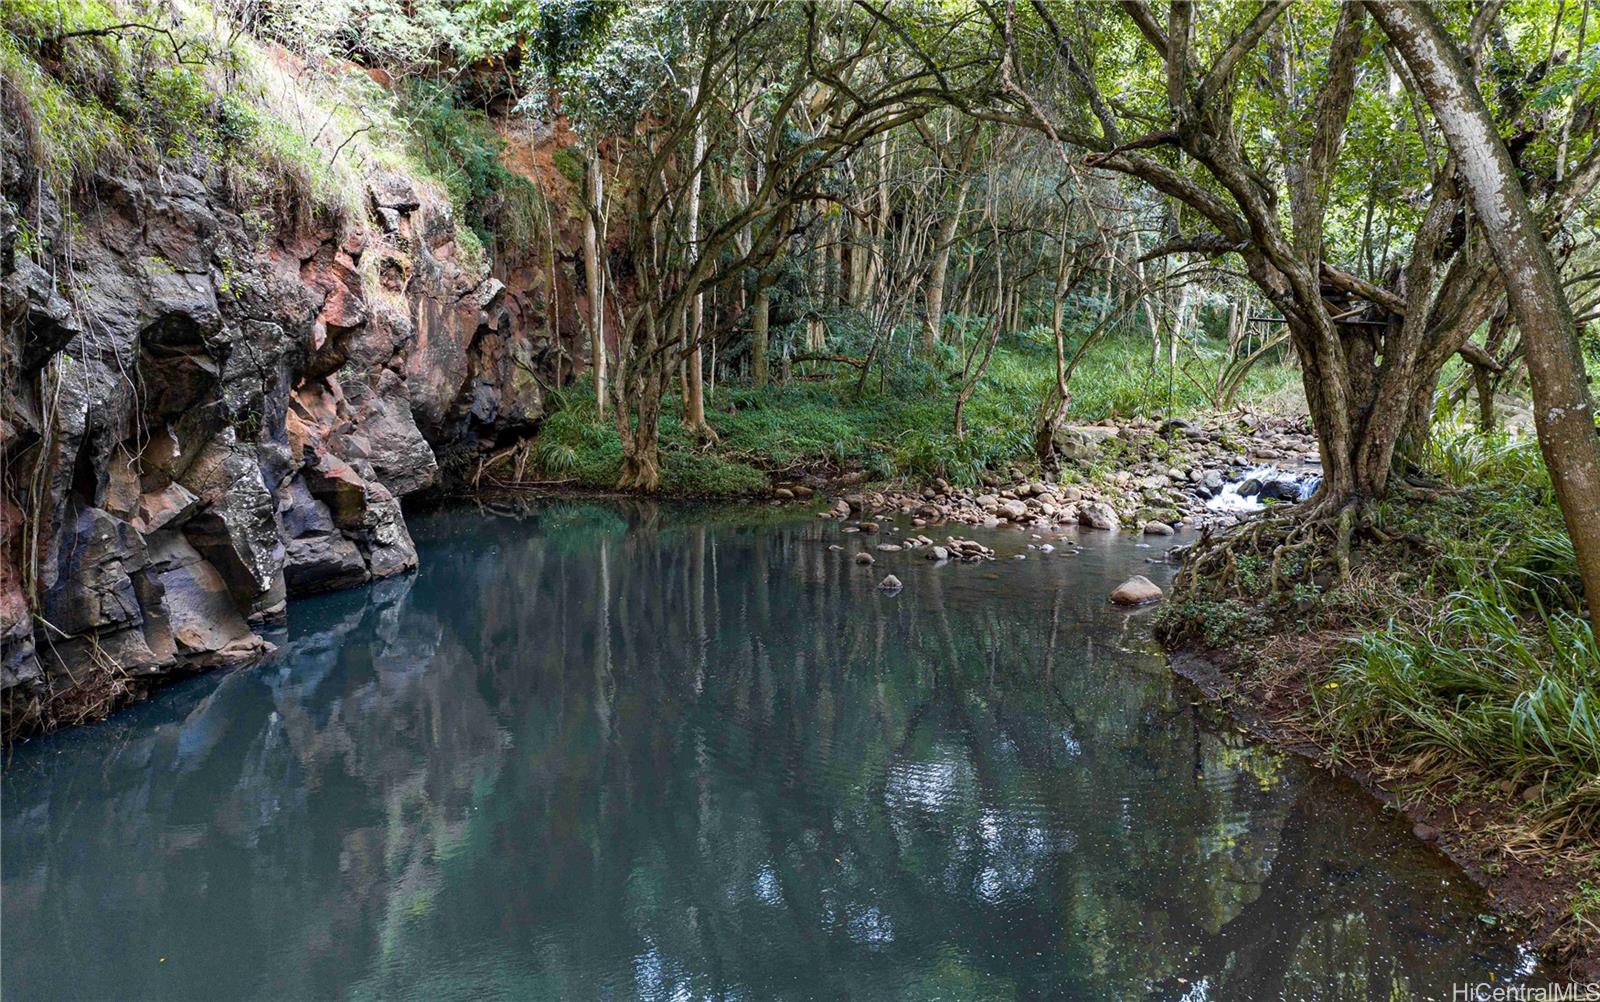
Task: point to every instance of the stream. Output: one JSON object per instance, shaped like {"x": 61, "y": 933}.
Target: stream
{"x": 603, "y": 751}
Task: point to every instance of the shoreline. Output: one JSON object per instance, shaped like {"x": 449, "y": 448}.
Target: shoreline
{"x": 1531, "y": 895}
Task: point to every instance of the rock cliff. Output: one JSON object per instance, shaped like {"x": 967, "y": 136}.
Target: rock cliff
{"x": 206, "y": 413}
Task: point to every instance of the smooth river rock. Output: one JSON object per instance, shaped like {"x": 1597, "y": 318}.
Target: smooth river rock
{"x": 1137, "y": 590}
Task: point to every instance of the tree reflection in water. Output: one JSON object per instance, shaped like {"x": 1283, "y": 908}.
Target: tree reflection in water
{"x": 600, "y": 751}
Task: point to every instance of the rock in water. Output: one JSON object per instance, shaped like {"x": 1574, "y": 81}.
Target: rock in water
{"x": 1137, "y": 590}
{"x": 1157, "y": 529}
{"x": 864, "y": 558}
{"x": 890, "y": 583}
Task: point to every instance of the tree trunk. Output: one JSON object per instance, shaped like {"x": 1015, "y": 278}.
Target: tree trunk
{"x": 758, "y": 336}
{"x": 638, "y": 419}
{"x": 933, "y": 324}
{"x": 966, "y": 296}
{"x": 1562, "y": 408}
{"x": 594, "y": 278}
{"x": 694, "y": 403}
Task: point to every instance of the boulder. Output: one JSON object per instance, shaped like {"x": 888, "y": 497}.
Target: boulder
{"x": 385, "y": 540}
{"x": 392, "y": 190}
{"x": 201, "y": 612}
{"x": 890, "y": 583}
{"x": 17, "y": 663}
{"x": 94, "y": 588}
{"x": 386, "y": 435}
{"x": 1137, "y": 590}
{"x": 237, "y": 530}
{"x": 1079, "y": 442}
{"x": 318, "y": 557}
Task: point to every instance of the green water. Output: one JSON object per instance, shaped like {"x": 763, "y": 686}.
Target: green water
{"x": 622, "y": 752}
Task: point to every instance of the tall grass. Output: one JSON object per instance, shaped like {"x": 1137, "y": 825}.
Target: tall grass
{"x": 1517, "y": 697}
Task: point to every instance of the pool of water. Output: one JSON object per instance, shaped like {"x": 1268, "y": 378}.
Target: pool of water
{"x": 608, "y": 752}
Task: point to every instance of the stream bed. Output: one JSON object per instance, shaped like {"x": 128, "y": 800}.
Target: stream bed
{"x": 623, "y": 751}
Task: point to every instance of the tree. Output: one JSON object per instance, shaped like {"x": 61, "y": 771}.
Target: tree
{"x": 1562, "y": 407}
{"x": 823, "y": 100}
{"x": 1253, "y": 119}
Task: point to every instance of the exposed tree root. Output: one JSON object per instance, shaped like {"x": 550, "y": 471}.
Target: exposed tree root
{"x": 1306, "y": 544}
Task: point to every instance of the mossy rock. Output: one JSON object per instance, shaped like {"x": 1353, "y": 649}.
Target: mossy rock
{"x": 1167, "y": 515}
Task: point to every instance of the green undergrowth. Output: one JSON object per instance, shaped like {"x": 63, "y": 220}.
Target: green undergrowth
{"x": 1458, "y": 658}
{"x": 460, "y": 147}
{"x": 898, "y": 423}
{"x": 1497, "y": 669}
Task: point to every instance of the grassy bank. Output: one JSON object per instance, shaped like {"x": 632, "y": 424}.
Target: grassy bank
{"x": 897, "y": 423}
{"x": 1455, "y": 669}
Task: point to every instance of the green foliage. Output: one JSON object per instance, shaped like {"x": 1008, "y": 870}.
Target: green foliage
{"x": 1213, "y": 624}
{"x": 459, "y": 146}
{"x": 569, "y": 164}
{"x": 154, "y": 86}
{"x": 71, "y": 132}
{"x": 1518, "y": 538}
{"x": 1477, "y": 684}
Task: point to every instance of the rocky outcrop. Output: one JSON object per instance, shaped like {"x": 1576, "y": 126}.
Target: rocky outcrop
{"x": 201, "y": 420}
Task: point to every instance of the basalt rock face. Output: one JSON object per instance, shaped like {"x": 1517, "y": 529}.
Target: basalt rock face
{"x": 200, "y": 419}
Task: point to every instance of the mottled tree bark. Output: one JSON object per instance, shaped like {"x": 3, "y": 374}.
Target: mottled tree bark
{"x": 694, "y": 401}
{"x": 933, "y": 324}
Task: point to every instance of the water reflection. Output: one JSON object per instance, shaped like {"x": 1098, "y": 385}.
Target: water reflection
{"x": 601, "y": 752}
